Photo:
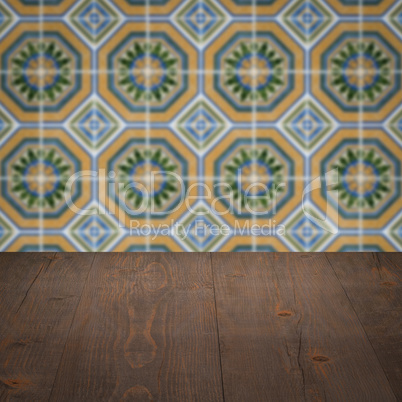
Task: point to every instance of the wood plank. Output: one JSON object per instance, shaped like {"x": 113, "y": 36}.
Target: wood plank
{"x": 32, "y": 344}
{"x": 18, "y": 271}
{"x": 288, "y": 332}
{"x": 373, "y": 283}
{"x": 145, "y": 329}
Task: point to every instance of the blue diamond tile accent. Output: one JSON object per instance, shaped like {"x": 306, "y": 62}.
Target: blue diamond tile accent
{"x": 94, "y": 19}
{"x": 94, "y": 124}
{"x": 94, "y": 232}
{"x": 235, "y": 109}
{"x": 308, "y": 19}
{"x": 307, "y": 124}
{"x": 200, "y": 229}
{"x": 201, "y": 19}
{"x": 303, "y": 234}
{"x": 201, "y": 124}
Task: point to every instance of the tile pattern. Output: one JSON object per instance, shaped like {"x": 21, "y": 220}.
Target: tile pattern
{"x": 212, "y": 97}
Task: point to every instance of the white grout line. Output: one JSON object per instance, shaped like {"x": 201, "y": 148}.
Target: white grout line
{"x": 254, "y": 106}
{"x": 41, "y": 134}
{"x": 93, "y": 109}
{"x": 200, "y": 141}
{"x": 193, "y": 178}
{"x": 307, "y": 92}
{"x": 148, "y": 112}
{"x": 203, "y": 71}
{"x": 148, "y": 120}
{"x": 360, "y": 129}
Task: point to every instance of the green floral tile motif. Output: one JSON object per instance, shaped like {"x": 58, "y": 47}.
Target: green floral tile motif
{"x": 41, "y": 71}
{"x": 40, "y": 178}
{"x": 360, "y": 71}
{"x": 254, "y": 71}
{"x": 147, "y": 72}
{"x": 364, "y": 178}
{"x": 250, "y": 167}
{"x": 247, "y": 101}
{"x": 139, "y": 168}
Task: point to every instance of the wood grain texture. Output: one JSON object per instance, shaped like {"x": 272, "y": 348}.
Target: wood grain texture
{"x": 145, "y": 330}
{"x": 288, "y": 332}
{"x": 18, "y": 272}
{"x": 373, "y": 283}
{"x": 32, "y": 342}
{"x": 162, "y": 327}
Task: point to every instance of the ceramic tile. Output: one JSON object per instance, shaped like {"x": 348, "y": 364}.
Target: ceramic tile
{"x": 374, "y": 243}
{"x": 38, "y": 242}
{"x": 287, "y": 113}
{"x": 149, "y": 242}
{"x": 368, "y": 168}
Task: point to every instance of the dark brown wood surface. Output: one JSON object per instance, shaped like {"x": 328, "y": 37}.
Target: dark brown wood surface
{"x": 32, "y": 343}
{"x": 145, "y": 330}
{"x": 373, "y": 283}
{"x": 200, "y": 327}
{"x": 301, "y": 331}
{"x": 18, "y": 273}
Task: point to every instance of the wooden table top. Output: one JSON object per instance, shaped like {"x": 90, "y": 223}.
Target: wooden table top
{"x": 200, "y": 326}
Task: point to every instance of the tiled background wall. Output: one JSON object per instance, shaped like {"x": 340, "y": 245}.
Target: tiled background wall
{"x": 232, "y": 91}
